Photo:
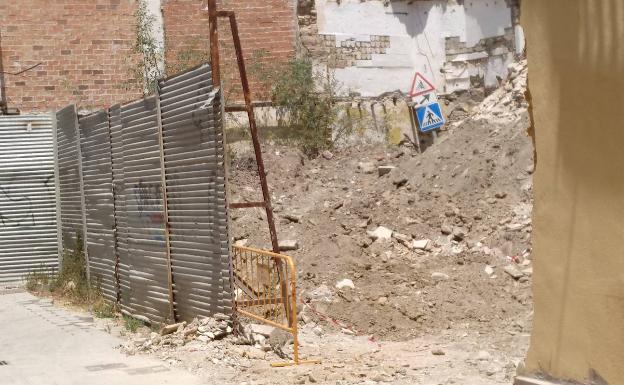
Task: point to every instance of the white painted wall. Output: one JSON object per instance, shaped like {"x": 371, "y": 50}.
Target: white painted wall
{"x": 158, "y": 30}
{"x": 417, "y": 31}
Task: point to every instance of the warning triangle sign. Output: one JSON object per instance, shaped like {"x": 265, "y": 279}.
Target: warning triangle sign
{"x": 420, "y": 85}
{"x": 431, "y": 118}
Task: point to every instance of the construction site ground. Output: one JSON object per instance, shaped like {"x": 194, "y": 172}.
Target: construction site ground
{"x": 412, "y": 268}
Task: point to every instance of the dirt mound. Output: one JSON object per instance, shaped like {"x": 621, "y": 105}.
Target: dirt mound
{"x": 467, "y": 198}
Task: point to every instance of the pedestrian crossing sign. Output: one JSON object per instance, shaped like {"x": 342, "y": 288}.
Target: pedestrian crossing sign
{"x": 430, "y": 117}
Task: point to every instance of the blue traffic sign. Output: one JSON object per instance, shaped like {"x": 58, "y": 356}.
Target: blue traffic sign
{"x": 430, "y": 117}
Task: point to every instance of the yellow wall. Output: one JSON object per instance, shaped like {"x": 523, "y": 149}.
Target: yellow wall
{"x": 576, "y": 78}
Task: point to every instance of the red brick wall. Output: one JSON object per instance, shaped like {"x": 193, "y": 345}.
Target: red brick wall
{"x": 265, "y": 26}
{"x": 84, "y": 47}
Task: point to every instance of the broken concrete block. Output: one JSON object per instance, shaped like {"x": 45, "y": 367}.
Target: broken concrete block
{"x": 288, "y": 244}
{"x": 345, "y": 283}
{"x": 514, "y": 272}
{"x": 440, "y": 276}
{"x": 421, "y": 244}
{"x": 367, "y": 167}
{"x": 380, "y": 232}
{"x": 263, "y": 330}
{"x": 383, "y": 170}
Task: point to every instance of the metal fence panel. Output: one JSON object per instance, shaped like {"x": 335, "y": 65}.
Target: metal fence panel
{"x": 147, "y": 254}
{"x": 28, "y": 232}
{"x": 70, "y": 180}
{"x": 195, "y": 179}
{"x": 98, "y": 193}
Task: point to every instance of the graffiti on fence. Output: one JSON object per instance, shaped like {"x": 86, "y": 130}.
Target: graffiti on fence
{"x": 148, "y": 197}
{"x": 16, "y": 208}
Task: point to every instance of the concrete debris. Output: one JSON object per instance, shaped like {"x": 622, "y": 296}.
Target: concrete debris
{"x": 383, "y": 170}
{"x": 421, "y": 244}
{"x": 204, "y": 330}
{"x": 345, "y": 283}
{"x": 288, "y": 244}
{"x": 293, "y": 217}
{"x": 438, "y": 352}
{"x": 263, "y": 330}
{"x": 367, "y": 167}
{"x": 489, "y": 270}
{"x": 327, "y": 155}
{"x": 399, "y": 181}
{"x": 459, "y": 233}
{"x": 439, "y": 276}
{"x": 380, "y": 232}
{"x": 322, "y": 294}
{"x": 513, "y": 271}
{"x": 242, "y": 242}
{"x": 446, "y": 229}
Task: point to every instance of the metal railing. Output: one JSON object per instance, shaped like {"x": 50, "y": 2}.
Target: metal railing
{"x": 265, "y": 290}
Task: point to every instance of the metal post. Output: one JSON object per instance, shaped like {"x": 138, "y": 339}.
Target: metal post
{"x": 83, "y": 202}
{"x": 214, "y": 43}
{"x": 57, "y": 189}
{"x": 163, "y": 180}
{"x": 410, "y": 108}
{"x": 115, "y": 232}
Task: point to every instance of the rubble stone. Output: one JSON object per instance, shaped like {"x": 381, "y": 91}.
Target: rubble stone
{"x": 345, "y": 283}
{"x": 288, "y": 244}
{"x": 367, "y": 167}
{"x": 384, "y": 170}
{"x": 380, "y": 232}
{"x": 514, "y": 271}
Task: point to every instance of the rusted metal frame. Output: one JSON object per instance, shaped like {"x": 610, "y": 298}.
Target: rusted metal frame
{"x": 163, "y": 179}
{"x": 252, "y": 125}
{"x": 115, "y": 232}
{"x": 246, "y": 205}
{"x": 215, "y": 62}
{"x": 258, "y": 152}
{"x": 243, "y": 108}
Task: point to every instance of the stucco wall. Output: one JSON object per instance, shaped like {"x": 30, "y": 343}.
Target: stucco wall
{"x": 417, "y": 33}
{"x": 576, "y": 62}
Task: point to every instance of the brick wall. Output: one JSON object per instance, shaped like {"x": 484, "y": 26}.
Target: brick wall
{"x": 84, "y": 47}
{"x": 266, "y": 26}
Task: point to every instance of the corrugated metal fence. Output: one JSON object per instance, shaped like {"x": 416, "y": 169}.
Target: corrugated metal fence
{"x": 28, "y": 227}
{"x": 155, "y": 213}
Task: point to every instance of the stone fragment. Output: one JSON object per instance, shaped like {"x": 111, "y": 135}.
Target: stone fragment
{"x": 380, "y": 232}
{"x": 383, "y": 170}
{"x": 439, "y": 276}
{"x": 263, "y": 330}
{"x": 421, "y": 244}
{"x": 345, "y": 283}
{"x": 367, "y": 167}
{"x": 514, "y": 271}
{"x": 459, "y": 233}
{"x": 288, "y": 244}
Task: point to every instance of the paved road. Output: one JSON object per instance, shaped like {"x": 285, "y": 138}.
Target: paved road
{"x": 43, "y": 345}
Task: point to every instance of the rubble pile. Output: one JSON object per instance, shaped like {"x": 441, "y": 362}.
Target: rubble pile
{"x": 505, "y": 103}
{"x": 216, "y": 333}
{"x": 427, "y": 241}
